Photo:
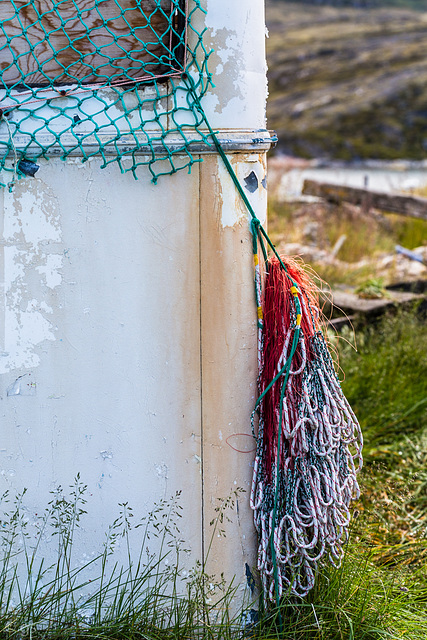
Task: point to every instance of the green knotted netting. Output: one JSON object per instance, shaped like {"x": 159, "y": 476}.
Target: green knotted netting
{"x": 101, "y": 78}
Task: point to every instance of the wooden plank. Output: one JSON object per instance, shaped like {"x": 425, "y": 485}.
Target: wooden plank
{"x": 405, "y": 205}
{"x": 96, "y": 44}
{"x": 351, "y": 303}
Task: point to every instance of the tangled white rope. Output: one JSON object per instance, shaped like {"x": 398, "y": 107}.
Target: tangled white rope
{"x": 301, "y": 499}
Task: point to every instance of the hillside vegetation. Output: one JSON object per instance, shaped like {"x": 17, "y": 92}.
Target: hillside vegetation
{"x": 348, "y": 82}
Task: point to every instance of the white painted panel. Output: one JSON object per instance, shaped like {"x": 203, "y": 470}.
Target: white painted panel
{"x": 229, "y": 360}
{"x": 100, "y": 315}
{"x": 235, "y": 38}
{"x": 236, "y": 33}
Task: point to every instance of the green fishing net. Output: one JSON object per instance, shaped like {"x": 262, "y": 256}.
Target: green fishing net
{"x": 101, "y": 78}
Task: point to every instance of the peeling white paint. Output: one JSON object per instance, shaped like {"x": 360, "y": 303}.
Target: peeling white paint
{"x": 33, "y": 212}
{"x": 25, "y": 326}
{"x": 229, "y": 50}
{"x": 233, "y": 210}
{"x": 23, "y": 386}
{"x": 51, "y": 269}
{"x": 236, "y": 33}
{"x": 32, "y": 262}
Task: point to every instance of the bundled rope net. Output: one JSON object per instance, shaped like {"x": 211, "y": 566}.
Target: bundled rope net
{"x": 309, "y": 443}
{"x": 101, "y": 78}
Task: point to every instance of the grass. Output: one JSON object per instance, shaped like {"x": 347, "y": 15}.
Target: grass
{"x": 379, "y": 592}
{"x": 150, "y": 597}
{"x": 385, "y": 383}
{"x": 385, "y": 380}
{"x": 367, "y": 238}
{"x": 410, "y": 233}
{"x": 357, "y": 601}
{"x": 364, "y": 234}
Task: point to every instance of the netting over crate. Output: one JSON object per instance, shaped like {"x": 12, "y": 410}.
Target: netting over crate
{"x": 101, "y": 77}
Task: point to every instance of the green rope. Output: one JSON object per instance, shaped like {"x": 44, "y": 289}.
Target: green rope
{"x": 261, "y": 231}
{"x": 287, "y": 369}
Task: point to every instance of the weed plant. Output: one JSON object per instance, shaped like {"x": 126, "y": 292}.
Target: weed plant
{"x": 378, "y": 592}
{"x": 153, "y": 599}
{"x": 386, "y": 384}
{"x": 357, "y": 601}
{"x": 150, "y": 597}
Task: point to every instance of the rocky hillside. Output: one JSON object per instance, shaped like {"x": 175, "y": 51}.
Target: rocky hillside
{"x": 346, "y": 82}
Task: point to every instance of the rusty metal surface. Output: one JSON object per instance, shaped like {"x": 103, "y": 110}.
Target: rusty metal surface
{"x": 229, "y": 362}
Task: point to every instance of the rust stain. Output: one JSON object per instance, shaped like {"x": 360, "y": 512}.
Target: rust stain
{"x": 229, "y": 363}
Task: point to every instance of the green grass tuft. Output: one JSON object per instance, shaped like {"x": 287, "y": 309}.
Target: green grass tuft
{"x": 385, "y": 383}
{"x": 150, "y": 598}
{"x": 378, "y": 593}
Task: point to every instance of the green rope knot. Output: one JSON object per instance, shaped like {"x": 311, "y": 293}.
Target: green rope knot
{"x": 255, "y": 225}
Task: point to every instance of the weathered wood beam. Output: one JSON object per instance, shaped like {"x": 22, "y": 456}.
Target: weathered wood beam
{"x": 73, "y": 40}
{"x": 348, "y": 302}
{"x": 404, "y": 205}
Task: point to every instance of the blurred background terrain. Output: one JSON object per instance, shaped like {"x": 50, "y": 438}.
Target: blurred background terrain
{"x": 348, "y": 100}
{"x": 348, "y": 81}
